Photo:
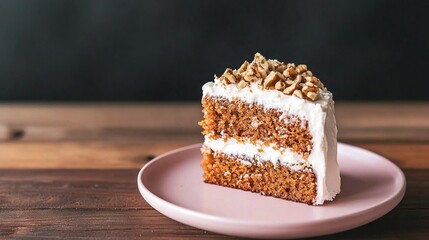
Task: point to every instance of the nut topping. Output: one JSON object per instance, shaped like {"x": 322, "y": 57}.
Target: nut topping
{"x": 275, "y": 75}
{"x": 312, "y": 95}
{"x": 289, "y": 90}
{"x": 280, "y": 85}
{"x": 298, "y": 93}
{"x": 242, "y": 84}
{"x": 228, "y": 75}
{"x": 272, "y": 79}
{"x": 243, "y": 67}
{"x": 301, "y": 68}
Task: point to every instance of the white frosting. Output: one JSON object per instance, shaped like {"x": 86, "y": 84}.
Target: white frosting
{"x": 321, "y": 125}
{"x": 259, "y": 152}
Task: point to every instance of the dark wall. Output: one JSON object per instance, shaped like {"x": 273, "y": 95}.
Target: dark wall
{"x": 166, "y": 50}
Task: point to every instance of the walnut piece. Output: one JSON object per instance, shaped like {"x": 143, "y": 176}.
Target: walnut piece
{"x": 228, "y": 76}
{"x": 312, "y": 95}
{"x": 280, "y": 85}
{"x": 298, "y": 93}
{"x": 243, "y": 67}
{"x": 301, "y": 68}
{"x": 242, "y": 84}
{"x": 272, "y": 79}
{"x": 289, "y": 90}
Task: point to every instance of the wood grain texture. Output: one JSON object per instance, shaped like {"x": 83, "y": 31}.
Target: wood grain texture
{"x": 148, "y": 224}
{"x": 106, "y": 204}
{"x": 92, "y": 154}
{"x": 356, "y": 121}
{"x": 132, "y": 153}
{"x": 117, "y": 189}
{"x": 69, "y": 170}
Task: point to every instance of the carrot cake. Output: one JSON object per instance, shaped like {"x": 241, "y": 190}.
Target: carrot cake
{"x": 269, "y": 127}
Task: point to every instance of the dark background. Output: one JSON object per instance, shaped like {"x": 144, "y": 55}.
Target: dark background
{"x": 166, "y": 50}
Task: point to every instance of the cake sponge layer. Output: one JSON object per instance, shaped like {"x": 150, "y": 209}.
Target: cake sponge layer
{"x": 259, "y": 176}
{"x": 243, "y": 121}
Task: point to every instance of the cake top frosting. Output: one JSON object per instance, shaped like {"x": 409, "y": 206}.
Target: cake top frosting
{"x": 273, "y": 74}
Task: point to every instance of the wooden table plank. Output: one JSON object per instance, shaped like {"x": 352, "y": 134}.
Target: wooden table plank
{"x": 69, "y": 170}
{"x": 99, "y": 154}
{"x": 106, "y": 204}
{"x": 147, "y": 224}
{"x": 117, "y": 189}
{"x": 356, "y": 121}
{"x": 99, "y": 224}
{"x": 70, "y": 189}
{"x": 155, "y": 115}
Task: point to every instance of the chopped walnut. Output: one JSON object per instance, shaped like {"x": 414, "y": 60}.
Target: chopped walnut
{"x": 280, "y": 85}
{"x": 298, "y": 93}
{"x": 289, "y": 82}
{"x": 242, "y": 84}
{"x": 290, "y": 72}
{"x": 289, "y": 90}
{"x": 301, "y": 68}
{"x": 273, "y": 64}
{"x": 272, "y": 79}
{"x": 312, "y": 95}
{"x": 228, "y": 75}
{"x": 273, "y": 74}
{"x": 243, "y": 67}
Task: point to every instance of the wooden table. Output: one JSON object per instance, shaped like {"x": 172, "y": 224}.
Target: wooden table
{"x": 69, "y": 170}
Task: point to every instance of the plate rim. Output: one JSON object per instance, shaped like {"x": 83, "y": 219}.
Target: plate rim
{"x": 383, "y": 207}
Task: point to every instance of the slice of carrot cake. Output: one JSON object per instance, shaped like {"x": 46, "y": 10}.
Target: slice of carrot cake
{"x": 269, "y": 127}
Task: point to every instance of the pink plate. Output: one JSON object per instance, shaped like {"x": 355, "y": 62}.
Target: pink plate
{"x": 172, "y": 184}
